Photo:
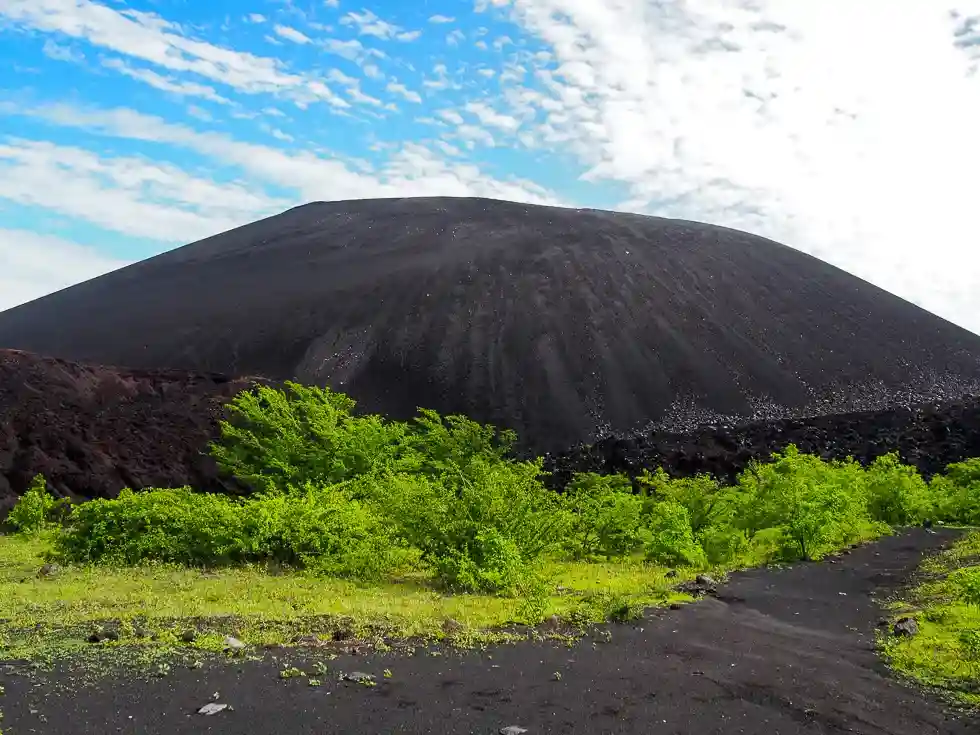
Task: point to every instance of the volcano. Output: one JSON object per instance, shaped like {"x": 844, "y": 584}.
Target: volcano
{"x": 562, "y": 324}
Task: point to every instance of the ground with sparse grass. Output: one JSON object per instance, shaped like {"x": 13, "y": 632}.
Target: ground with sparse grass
{"x": 50, "y": 616}
{"x": 945, "y": 604}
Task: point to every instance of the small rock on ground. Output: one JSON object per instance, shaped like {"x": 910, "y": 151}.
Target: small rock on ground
{"x": 907, "y": 627}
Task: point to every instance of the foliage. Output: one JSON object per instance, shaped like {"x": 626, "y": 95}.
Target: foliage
{"x": 670, "y": 539}
{"x": 701, "y": 496}
{"x": 605, "y": 516}
{"x": 946, "y": 652}
{"x": 316, "y": 528}
{"x": 957, "y": 493}
{"x": 475, "y": 527}
{"x": 277, "y": 438}
{"x": 34, "y": 508}
{"x": 812, "y": 502}
{"x": 896, "y": 493}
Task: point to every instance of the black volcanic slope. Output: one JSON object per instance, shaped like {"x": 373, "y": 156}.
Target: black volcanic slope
{"x": 555, "y": 322}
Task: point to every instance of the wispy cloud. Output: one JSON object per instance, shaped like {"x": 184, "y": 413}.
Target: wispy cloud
{"x": 291, "y": 34}
{"x": 369, "y": 24}
{"x": 33, "y": 265}
{"x": 441, "y": 19}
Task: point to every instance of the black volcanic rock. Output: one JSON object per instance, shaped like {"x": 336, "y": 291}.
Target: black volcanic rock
{"x": 562, "y": 324}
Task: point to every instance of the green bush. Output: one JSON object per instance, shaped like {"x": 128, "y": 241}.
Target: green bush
{"x": 34, "y": 508}
{"x": 469, "y": 526}
{"x": 605, "y": 516}
{"x": 316, "y": 528}
{"x": 816, "y": 505}
{"x": 670, "y": 539}
{"x": 896, "y": 493}
{"x": 277, "y": 438}
{"x": 956, "y": 493}
{"x": 702, "y": 497}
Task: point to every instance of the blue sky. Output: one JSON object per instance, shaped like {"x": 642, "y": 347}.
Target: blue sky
{"x": 128, "y": 128}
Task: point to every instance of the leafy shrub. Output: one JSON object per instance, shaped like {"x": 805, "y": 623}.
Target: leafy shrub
{"x": 701, "y": 496}
{"x": 957, "y": 493}
{"x": 966, "y": 581}
{"x": 489, "y": 562}
{"x": 470, "y": 526}
{"x": 670, "y": 539}
{"x": 724, "y": 544}
{"x": 34, "y": 508}
{"x": 814, "y": 503}
{"x": 317, "y": 528}
{"x": 896, "y": 493}
{"x": 605, "y": 516}
{"x": 277, "y": 438}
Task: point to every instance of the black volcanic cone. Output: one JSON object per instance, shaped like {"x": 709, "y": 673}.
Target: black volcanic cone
{"x": 551, "y": 321}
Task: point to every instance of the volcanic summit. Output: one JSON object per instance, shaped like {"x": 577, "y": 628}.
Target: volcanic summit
{"x": 558, "y": 323}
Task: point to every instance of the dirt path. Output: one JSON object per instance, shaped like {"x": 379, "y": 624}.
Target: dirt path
{"x": 779, "y": 652}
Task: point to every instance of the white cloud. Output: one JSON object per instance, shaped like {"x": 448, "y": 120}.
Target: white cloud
{"x": 165, "y": 84}
{"x": 291, "y": 34}
{"x": 488, "y": 116}
{"x": 401, "y": 89}
{"x": 332, "y": 3}
{"x": 255, "y": 18}
{"x": 454, "y": 37}
{"x": 61, "y": 53}
{"x": 441, "y": 19}
{"x": 814, "y": 124}
{"x": 152, "y": 39}
{"x": 124, "y": 194}
{"x": 369, "y": 24}
{"x": 34, "y": 265}
{"x": 411, "y": 170}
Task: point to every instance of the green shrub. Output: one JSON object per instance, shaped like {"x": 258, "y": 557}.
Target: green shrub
{"x": 34, "y": 508}
{"x": 966, "y": 582}
{"x": 605, "y": 516}
{"x": 277, "y": 438}
{"x": 896, "y": 493}
{"x": 702, "y": 496}
{"x": 816, "y": 505}
{"x": 316, "y": 528}
{"x": 468, "y": 523}
{"x": 957, "y": 493}
{"x": 724, "y": 544}
{"x": 670, "y": 539}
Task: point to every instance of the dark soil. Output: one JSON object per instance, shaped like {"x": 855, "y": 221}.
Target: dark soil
{"x": 558, "y": 323}
{"x": 92, "y": 430}
{"x": 778, "y": 652}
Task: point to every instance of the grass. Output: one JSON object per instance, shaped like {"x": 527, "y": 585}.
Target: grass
{"x": 936, "y": 657}
{"x": 47, "y": 618}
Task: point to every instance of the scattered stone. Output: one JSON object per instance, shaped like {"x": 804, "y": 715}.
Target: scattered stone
{"x": 212, "y": 708}
{"x": 676, "y": 606}
{"x": 906, "y": 627}
{"x": 233, "y": 644}
{"x": 552, "y": 622}
{"x": 48, "y": 570}
{"x": 700, "y": 585}
{"x": 450, "y": 626}
{"x": 189, "y": 635}
{"x": 358, "y": 677}
{"x": 307, "y": 640}
{"x": 512, "y": 730}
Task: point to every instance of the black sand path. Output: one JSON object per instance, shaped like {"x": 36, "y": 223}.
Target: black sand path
{"x": 554, "y": 322}
{"x": 779, "y": 653}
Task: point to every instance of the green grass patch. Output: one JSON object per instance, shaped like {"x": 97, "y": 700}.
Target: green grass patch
{"x": 45, "y": 618}
{"x": 945, "y": 655}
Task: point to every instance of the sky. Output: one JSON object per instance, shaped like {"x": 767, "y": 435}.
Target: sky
{"x": 848, "y": 129}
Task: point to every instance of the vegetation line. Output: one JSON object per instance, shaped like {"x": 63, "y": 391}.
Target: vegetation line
{"x": 358, "y": 526}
